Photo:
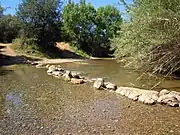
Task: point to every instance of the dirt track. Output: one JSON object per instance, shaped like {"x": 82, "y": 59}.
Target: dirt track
{"x": 8, "y": 56}
{"x": 6, "y": 50}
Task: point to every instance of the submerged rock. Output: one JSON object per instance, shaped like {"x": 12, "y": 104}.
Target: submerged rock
{"x": 59, "y": 66}
{"x": 75, "y": 74}
{"x": 98, "y": 83}
{"x": 67, "y": 76}
{"x": 39, "y": 65}
{"x": 110, "y": 86}
{"x": 174, "y": 103}
{"x": 51, "y": 69}
{"x": 56, "y": 73}
{"x": 77, "y": 81}
{"x": 82, "y": 77}
{"x": 47, "y": 66}
{"x": 93, "y": 79}
{"x": 60, "y": 69}
{"x": 86, "y": 80}
{"x": 175, "y": 94}
{"x": 34, "y": 63}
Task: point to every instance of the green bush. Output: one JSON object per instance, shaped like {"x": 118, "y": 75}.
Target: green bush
{"x": 78, "y": 51}
{"x": 151, "y": 36}
{"x": 9, "y": 28}
{"x": 26, "y": 46}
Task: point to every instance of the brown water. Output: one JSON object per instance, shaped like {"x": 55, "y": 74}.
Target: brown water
{"x": 31, "y": 102}
{"x": 114, "y": 72}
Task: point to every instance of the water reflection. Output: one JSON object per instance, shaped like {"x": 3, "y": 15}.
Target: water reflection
{"x": 116, "y": 73}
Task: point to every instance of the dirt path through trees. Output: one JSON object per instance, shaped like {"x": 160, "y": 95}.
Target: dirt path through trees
{"x": 6, "y": 50}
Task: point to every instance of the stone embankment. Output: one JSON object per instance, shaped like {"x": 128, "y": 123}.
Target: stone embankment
{"x": 171, "y": 98}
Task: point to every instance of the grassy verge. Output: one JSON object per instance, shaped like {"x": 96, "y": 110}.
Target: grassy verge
{"x": 78, "y": 51}
{"x": 27, "y": 50}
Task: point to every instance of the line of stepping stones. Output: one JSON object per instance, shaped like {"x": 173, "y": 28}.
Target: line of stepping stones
{"x": 171, "y": 98}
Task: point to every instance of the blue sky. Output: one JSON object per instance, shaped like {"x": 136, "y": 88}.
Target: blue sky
{"x": 12, "y": 4}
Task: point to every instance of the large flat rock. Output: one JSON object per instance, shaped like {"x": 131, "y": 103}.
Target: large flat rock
{"x": 145, "y": 96}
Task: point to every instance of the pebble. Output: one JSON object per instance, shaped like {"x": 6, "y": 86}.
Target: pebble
{"x": 23, "y": 125}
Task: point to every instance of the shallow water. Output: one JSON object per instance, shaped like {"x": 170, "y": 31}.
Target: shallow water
{"x": 31, "y": 102}
{"x": 114, "y": 72}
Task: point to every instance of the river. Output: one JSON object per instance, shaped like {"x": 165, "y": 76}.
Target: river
{"x": 33, "y": 103}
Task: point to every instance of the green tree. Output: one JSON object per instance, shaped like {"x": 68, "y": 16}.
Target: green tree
{"x": 91, "y": 29}
{"x": 40, "y": 20}
{"x": 151, "y": 35}
{"x": 78, "y": 21}
{"x": 108, "y": 20}
{"x": 9, "y": 26}
{"x": 1, "y": 11}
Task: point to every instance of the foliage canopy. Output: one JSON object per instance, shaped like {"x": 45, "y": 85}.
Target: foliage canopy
{"x": 151, "y": 35}
{"x": 9, "y": 26}
{"x": 40, "y": 20}
{"x": 91, "y": 28}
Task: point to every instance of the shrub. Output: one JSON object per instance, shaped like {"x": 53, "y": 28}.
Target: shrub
{"x": 152, "y": 35}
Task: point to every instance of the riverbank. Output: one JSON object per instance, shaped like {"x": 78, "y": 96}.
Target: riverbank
{"x": 8, "y": 57}
{"x": 17, "y": 56}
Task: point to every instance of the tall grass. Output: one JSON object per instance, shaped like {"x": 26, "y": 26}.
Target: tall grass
{"x": 27, "y": 47}
{"x": 152, "y": 36}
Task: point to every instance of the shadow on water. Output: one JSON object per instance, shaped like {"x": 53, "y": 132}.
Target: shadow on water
{"x": 55, "y": 52}
{"x": 11, "y": 60}
{"x": 6, "y": 59}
